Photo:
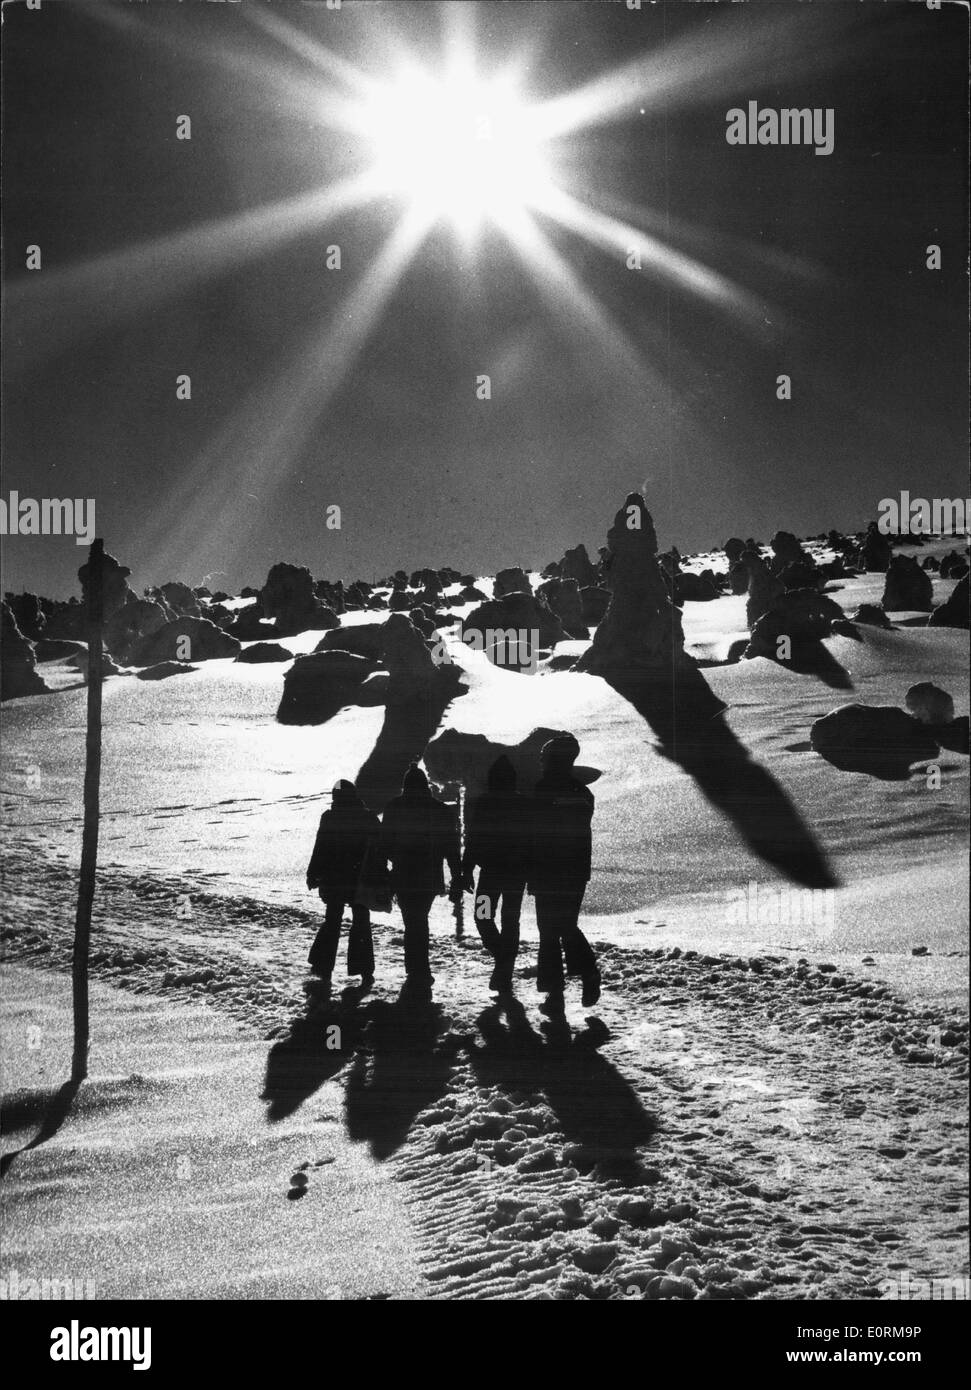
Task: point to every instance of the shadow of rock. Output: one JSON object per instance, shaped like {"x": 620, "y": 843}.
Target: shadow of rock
{"x": 722, "y": 768}
{"x": 418, "y": 693}
{"x": 812, "y": 658}
{"x": 461, "y": 758}
{"x": 408, "y": 726}
{"x": 639, "y": 651}
{"x": 792, "y": 633}
{"x": 880, "y": 740}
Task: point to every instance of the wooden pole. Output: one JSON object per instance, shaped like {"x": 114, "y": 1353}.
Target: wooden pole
{"x": 459, "y": 908}
{"x": 94, "y": 605}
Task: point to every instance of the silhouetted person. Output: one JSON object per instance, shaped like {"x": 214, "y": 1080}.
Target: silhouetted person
{"x": 418, "y": 834}
{"x": 498, "y": 840}
{"x": 335, "y": 871}
{"x": 560, "y": 869}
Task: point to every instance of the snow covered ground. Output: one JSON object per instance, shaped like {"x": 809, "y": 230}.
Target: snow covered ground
{"x": 732, "y": 1121}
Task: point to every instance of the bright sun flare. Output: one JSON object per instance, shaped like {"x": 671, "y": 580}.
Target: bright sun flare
{"x": 456, "y": 148}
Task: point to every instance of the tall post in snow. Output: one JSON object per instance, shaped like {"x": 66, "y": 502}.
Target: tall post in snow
{"x": 92, "y": 576}
{"x": 458, "y": 908}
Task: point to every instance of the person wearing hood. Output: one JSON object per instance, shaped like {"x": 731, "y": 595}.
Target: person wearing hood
{"x": 335, "y": 870}
{"x": 498, "y": 841}
{"x": 560, "y": 869}
{"x": 418, "y": 834}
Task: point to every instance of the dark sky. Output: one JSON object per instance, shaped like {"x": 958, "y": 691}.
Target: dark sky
{"x": 832, "y": 249}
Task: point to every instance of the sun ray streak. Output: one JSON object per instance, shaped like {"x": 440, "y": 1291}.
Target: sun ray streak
{"x": 641, "y": 388}
{"x": 301, "y": 93}
{"x": 308, "y": 50}
{"x": 254, "y": 451}
{"x": 566, "y": 294}
{"x": 786, "y": 264}
{"x": 623, "y": 239}
{"x": 699, "y": 70}
{"x": 47, "y": 313}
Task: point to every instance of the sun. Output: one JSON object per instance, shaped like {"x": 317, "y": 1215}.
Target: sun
{"x": 456, "y": 148}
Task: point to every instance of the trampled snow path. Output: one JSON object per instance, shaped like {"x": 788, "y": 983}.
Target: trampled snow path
{"x": 717, "y": 1127}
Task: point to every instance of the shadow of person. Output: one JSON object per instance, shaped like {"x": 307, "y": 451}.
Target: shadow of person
{"x": 317, "y": 1047}
{"x": 693, "y": 732}
{"x": 599, "y": 1112}
{"x": 403, "y": 1064}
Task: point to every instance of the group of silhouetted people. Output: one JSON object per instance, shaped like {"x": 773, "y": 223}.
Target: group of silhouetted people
{"x": 540, "y": 843}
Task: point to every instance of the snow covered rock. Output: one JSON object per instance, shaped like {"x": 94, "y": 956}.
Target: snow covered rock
{"x": 907, "y": 586}
{"x": 802, "y": 574}
{"x": 511, "y": 581}
{"x": 428, "y": 581}
{"x": 695, "y": 588}
{"x": 804, "y": 616}
{"x": 181, "y": 599}
{"x": 263, "y": 652}
{"x": 247, "y": 625}
{"x": 563, "y": 597}
{"x": 576, "y": 564}
{"x": 764, "y": 588}
{"x": 640, "y": 642}
{"x": 594, "y": 603}
{"x": 317, "y": 686}
{"x": 929, "y": 703}
{"x": 875, "y": 553}
{"x": 954, "y": 611}
{"x": 288, "y": 597}
{"x": 363, "y": 639}
{"x": 17, "y": 662}
{"x": 28, "y": 611}
{"x": 871, "y": 615}
{"x": 132, "y": 622}
{"x": 953, "y": 565}
{"x": 183, "y": 639}
{"x": 81, "y": 663}
{"x": 520, "y": 613}
{"x": 879, "y": 739}
{"x": 471, "y": 594}
{"x": 413, "y": 673}
{"x": 787, "y": 550}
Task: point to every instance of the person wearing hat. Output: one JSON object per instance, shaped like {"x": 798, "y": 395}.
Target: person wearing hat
{"x": 498, "y": 841}
{"x": 335, "y": 870}
{"x": 559, "y": 872}
{"x": 418, "y": 834}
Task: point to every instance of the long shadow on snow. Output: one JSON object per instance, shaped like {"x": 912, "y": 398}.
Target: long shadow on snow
{"x": 20, "y": 1110}
{"x": 400, "y": 1057}
{"x": 402, "y": 1054}
{"x": 408, "y": 727}
{"x": 598, "y": 1111}
{"x": 404, "y": 1065}
{"x": 299, "y": 1064}
{"x": 692, "y": 731}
